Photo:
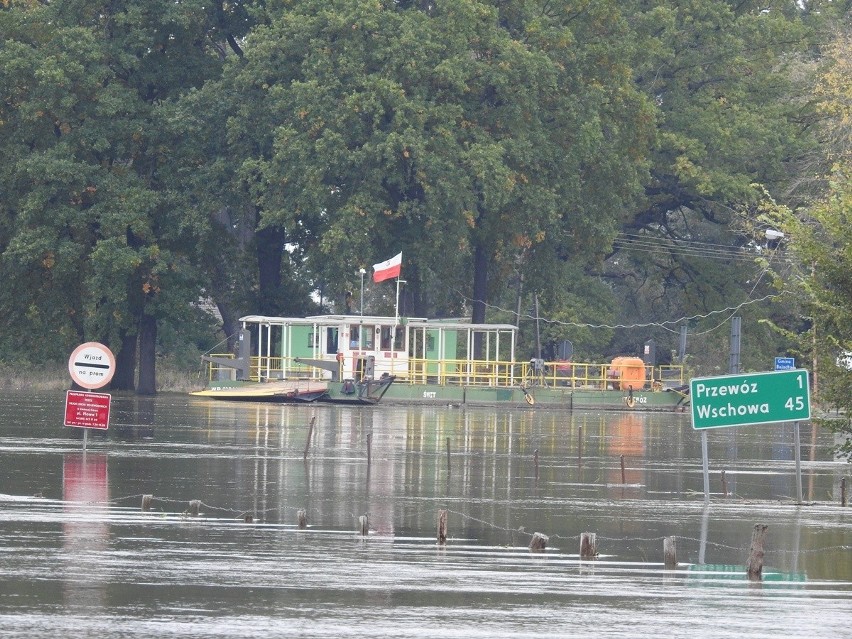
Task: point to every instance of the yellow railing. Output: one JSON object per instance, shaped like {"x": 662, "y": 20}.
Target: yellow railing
{"x": 462, "y": 372}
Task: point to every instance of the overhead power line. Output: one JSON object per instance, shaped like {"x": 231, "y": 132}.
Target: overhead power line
{"x": 686, "y": 248}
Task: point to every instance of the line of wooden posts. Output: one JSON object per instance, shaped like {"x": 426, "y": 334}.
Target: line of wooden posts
{"x": 588, "y": 540}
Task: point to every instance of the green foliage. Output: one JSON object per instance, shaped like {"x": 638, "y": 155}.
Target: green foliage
{"x": 255, "y": 154}
{"x": 823, "y": 242}
{"x": 94, "y": 232}
{"x": 386, "y": 128}
{"x": 729, "y": 114}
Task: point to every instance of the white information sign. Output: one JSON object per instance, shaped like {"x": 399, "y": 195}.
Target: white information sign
{"x": 91, "y": 365}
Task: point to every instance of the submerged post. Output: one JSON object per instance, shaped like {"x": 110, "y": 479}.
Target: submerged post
{"x": 310, "y": 435}
{"x": 535, "y": 457}
{"x": 843, "y": 492}
{"x": 302, "y": 518}
{"x": 580, "y": 446}
{"x": 194, "y": 507}
{"x": 623, "y": 475}
{"x": 448, "y": 455}
{"x": 724, "y": 485}
{"x": 363, "y": 525}
{"x": 442, "y": 527}
{"x": 539, "y": 542}
{"x": 755, "y": 559}
{"x": 588, "y": 545}
{"x": 670, "y": 553}
{"x": 146, "y": 502}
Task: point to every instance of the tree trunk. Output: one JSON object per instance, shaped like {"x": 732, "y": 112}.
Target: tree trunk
{"x": 147, "y": 355}
{"x": 480, "y": 294}
{"x": 480, "y": 284}
{"x": 230, "y": 323}
{"x": 125, "y": 364}
{"x": 270, "y": 249}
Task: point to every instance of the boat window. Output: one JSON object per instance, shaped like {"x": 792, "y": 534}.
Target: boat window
{"x": 331, "y": 340}
{"x": 388, "y": 335}
{"x": 367, "y": 333}
{"x": 362, "y": 337}
{"x": 385, "y": 343}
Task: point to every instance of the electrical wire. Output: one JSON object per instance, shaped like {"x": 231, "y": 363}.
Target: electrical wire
{"x": 683, "y": 248}
{"x": 663, "y": 325}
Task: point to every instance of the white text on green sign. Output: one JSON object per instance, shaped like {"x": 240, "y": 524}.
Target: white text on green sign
{"x": 756, "y": 398}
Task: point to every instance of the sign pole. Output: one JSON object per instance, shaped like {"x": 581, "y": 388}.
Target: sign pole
{"x": 798, "y": 454}
{"x": 705, "y": 463}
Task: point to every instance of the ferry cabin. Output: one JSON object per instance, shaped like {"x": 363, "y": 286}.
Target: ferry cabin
{"x": 415, "y": 350}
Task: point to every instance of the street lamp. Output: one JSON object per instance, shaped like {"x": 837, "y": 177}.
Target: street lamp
{"x": 363, "y": 272}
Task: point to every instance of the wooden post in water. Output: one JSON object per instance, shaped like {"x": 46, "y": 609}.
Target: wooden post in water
{"x": 363, "y": 525}
{"x": 538, "y": 542}
{"x": 248, "y": 518}
{"x": 146, "y": 502}
{"x": 448, "y": 455}
{"x": 580, "y": 446}
{"x": 755, "y": 559}
{"x": 194, "y": 507}
{"x": 442, "y": 527}
{"x": 843, "y": 492}
{"x": 536, "y": 464}
{"x": 310, "y": 436}
{"x": 623, "y": 476}
{"x": 670, "y": 553}
{"x": 302, "y": 518}
{"x": 369, "y": 451}
{"x": 588, "y": 545}
{"x": 724, "y": 485}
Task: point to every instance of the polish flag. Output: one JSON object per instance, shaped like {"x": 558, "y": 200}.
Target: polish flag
{"x": 388, "y": 269}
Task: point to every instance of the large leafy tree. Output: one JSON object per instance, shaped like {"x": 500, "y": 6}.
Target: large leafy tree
{"x": 821, "y": 238}
{"x": 96, "y": 243}
{"x": 730, "y": 115}
{"x": 466, "y": 134}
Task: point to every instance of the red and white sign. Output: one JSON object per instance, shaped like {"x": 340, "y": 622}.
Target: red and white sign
{"x": 91, "y": 365}
{"x": 388, "y": 269}
{"x": 87, "y": 410}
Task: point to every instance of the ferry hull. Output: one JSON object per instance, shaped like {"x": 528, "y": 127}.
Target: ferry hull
{"x": 300, "y": 391}
{"x": 537, "y": 397}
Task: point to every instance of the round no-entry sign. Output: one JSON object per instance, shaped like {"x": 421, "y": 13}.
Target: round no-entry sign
{"x": 91, "y": 365}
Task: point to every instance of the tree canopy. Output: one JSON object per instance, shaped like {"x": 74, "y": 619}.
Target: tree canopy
{"x": 608, "y": 160}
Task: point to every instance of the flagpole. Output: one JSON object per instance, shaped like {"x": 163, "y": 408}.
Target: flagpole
{"x": 396, "y": 307}
{"x": 396, "y": 311}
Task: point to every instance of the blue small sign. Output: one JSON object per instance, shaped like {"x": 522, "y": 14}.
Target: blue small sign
{"x": 785, "y": 363}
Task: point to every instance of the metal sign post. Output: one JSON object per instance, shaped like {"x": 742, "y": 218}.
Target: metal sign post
{"x": 756, "y": 398}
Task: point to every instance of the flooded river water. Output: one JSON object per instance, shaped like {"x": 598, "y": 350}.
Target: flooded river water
{"x": 80, "y": 558}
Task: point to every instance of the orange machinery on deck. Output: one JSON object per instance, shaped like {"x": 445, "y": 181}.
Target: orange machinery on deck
{"x": 627, "y": 372}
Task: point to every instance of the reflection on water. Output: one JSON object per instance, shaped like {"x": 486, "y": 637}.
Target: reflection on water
{"x": 85, "y": 531}
{"x": 80, "y": 558}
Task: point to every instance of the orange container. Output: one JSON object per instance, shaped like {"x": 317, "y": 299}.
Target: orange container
{"x": 625, "y": 372}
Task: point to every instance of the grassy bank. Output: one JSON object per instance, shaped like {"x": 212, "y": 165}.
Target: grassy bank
{"x": 48, "y": 376}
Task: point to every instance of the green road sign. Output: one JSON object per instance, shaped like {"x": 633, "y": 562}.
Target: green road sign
{"x": 756, "y": 398}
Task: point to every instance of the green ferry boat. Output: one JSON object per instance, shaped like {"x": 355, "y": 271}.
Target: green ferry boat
{"x": 357, "y": 359}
